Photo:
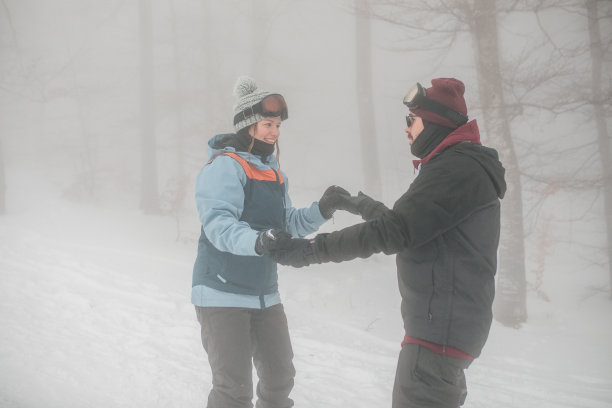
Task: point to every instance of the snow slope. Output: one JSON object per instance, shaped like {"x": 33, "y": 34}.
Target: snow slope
{"x": 95, "y": 312}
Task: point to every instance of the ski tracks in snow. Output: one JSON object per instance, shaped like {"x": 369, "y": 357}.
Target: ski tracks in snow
{"x": 76, "y": 334}
{"x": 511, "y": 382}
{"x": 85, "y": 323}
{"x": 83, "y": 326}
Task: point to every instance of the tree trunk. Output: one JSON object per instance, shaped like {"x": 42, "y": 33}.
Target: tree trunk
{"x": 510, "y": 301}
{"x": 365, "y": 105}
{"x": 149, "y": 196}
{"x": 2, "y": 183}
{"x": 178, "y": 105}
{"x": 603, "y": 136}
{"x": 259, "y": 38}
{"x": 214, "y": 117}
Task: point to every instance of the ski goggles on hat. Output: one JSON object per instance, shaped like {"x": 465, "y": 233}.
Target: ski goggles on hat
{"x": 272, "y": 106}
{"x": 417, "y": 98}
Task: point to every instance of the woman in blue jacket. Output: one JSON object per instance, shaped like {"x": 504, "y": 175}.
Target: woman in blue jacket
{"x": 239, "y": 193}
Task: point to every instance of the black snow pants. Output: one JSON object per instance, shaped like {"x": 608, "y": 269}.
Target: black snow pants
{"x": 425, "y": 379}
{"x": 237, "y": 338}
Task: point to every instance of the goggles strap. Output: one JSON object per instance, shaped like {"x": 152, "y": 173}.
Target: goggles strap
{"x": 244, "y": 115}
{"x": 258, "y": 108}
{"x": 436, "y": 107}
{"x": 418, "y": 99}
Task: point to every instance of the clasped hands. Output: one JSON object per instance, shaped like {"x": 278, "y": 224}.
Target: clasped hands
{"x": 286, "y": 250}
{"x": 280, "y": 246}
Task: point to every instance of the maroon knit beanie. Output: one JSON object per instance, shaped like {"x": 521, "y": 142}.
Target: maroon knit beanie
{"x": 447, "y": 91}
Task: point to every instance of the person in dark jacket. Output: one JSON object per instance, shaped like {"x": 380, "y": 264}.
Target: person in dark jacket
{"x": 445, "y": 231}
{"x": 239, "y": 193}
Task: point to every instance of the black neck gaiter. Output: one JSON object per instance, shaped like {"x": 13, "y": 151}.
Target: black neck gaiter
{"x": 260, "y": 148}
{"x": 431, "y": 136}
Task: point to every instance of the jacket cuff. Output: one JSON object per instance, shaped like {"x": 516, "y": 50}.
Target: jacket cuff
{"x": 314, "y": 213}
{"x": 253, "y": 240}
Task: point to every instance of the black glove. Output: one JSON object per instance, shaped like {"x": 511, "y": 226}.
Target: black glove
{"x": 272, "y": 239}
{"x": 334, "y": 198}
{"x": 297, "y": 253}
{"x": 366, "y": 206}
{"x": 337, "y": 198}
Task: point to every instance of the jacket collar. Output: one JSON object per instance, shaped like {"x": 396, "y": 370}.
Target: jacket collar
{"x": 216, "y": 147}
{"x": 466, "y": 133}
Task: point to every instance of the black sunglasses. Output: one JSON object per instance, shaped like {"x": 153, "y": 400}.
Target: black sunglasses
{"x": 410, "y": 119}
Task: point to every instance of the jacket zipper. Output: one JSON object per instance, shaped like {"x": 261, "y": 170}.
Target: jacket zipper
{"x": 282, "y": 190}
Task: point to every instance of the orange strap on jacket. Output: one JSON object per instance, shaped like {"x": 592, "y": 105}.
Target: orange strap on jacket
{"x": 254, "y": 173}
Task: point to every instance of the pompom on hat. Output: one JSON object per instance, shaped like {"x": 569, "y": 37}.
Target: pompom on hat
{"x": 247, "y": 96}
{"x": 449, "y": 92}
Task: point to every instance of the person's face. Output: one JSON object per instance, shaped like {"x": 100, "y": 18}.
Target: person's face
{"x": 267, "y": 130}
{"x": 414, "y": 128}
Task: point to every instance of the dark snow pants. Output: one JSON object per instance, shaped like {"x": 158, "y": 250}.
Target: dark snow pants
{"x": 425, "y": 379}
{"x": 237, "y": 338}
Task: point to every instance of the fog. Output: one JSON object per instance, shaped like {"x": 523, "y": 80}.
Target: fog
{"x": 70, "y": 100}
{"x": 71, "y": 123}
{"x": 72, "y": 119}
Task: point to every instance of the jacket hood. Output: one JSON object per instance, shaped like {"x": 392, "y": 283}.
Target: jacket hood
{"x": 488, "y": 159}
{"x": 225, "y": 142}
{"x": 220, "y": 144}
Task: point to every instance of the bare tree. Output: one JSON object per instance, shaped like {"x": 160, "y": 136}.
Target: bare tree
{"x": 437, "y": 24}
{"x": 599, "y": 99}
{"x": 510, "y": 300}
{"x": 6, "y": 15}
{"x": 2, "y": 183}
{"x": 149, "y": 197}
{"x": 177, "y": 105}
{"x": 212, "y": 95}
{"x": 259, "y": 38}
{"x": 365, "y": 105}
{"x": 588, "y": 92}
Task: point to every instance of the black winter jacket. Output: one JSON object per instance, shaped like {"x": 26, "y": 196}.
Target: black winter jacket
{"x": 445, "y": 231}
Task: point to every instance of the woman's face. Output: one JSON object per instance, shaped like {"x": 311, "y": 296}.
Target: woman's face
{"x": 267, "y": 130}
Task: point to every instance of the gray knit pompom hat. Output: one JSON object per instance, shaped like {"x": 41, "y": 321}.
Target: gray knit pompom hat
{"x": 247, "y": 95}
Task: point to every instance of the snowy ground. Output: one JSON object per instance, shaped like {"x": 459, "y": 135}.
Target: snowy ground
{"x": 95, "y": 312}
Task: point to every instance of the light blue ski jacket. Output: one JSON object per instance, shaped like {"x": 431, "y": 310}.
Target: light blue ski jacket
{"x": 220, "y": 196}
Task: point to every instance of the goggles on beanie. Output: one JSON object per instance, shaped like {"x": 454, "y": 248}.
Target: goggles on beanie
{"x": 417, "y": 98}
{"x": 271, "y": 106}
